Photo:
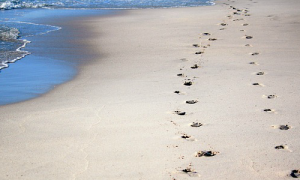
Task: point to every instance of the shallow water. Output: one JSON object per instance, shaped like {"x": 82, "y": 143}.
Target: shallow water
{"x": 54, "y": 57}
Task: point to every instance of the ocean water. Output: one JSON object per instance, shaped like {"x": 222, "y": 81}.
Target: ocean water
{"x": 27, "y": 72}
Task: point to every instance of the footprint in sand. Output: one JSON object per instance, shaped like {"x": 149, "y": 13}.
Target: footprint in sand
{"x": 281, "y": 147}
{"x": 253, "y": 63}
{"x": 180, "y": 75}
{"x": 236, "y": 13}
{"x": 188, "y": 138}
{"x": 212, "y": 39}
{"x": 247, "y": 15}
{"x": 260, "y": 73}
{"x": 206, "y": 153}
{"x": 255, "y": 54}
{"x": 248, "y": 37}
{"x": 257, "y": 84}
{"x": 272, "y": 96}
{"x": 195, "y": 66}
{"x": 196, "y": 124}
{"x": 180, "y": 113}
{"x": 269, "y": 110}
{"x": 295, "y": 173}
{"x": 189, "y": 171}
{"x": 196, "y": 45}
{"x": 191, "y": 101}
{"x": 199, "y": 52}
{"x": 246, "y": 24}
{"x": 223, "y": 24}
{"x": 177, "y": 92}
{"x": 248, "y": 45}
{"x": 282, "y": 127}
{"x": 188, "y": 83}
{"x": 206, "y": 34}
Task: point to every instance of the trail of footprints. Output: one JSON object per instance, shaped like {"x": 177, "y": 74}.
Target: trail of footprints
{"x": 189, "y": 82}
{"x": 294, "y": 173}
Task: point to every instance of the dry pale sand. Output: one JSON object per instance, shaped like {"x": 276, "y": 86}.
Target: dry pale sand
{"x": 117, "y": 119}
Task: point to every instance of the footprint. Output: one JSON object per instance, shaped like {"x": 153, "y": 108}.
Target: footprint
{"x": 255, "y": 54}
{"x": 195, "y": 66}
{"x": 183, "y": 59}
{"x": 268, "y": 110}
{"x": 248, "y": 45}
{"x": 281, "y": 147}
{"x": 236, "y": 13}
{"x": 257, "y": 84}
{"x": 295, "y": 173}
{"x": 282, "y": 127}
{"x": 196, "y": 124}
{"x": 177, "y": 92}
{"x": 206, "y": 34}
{"x": 260, "y": 73}
{"x": 191, "y": 102}
{"x": 223, "y": 24}
{"x": 271, "y": 96}
{"x": 188, "y": 83}
{"x": 246, "y": 24}
{"x": 248, "y": 37}
{"x": 199, "y": 52}
{"x": 206, "y": 153}
{"x": 196, "y": 45}
{"x": 254, "y": 63}
{"x": 180, "y": 113}
{"x": 247, "y": 15}
{"x": 222, "y": 29}
{"x": 180, "y": 75}
{"x": 189, "y": 171}
{"x": 188, "y": 138}
{"x": 212, "y": 39}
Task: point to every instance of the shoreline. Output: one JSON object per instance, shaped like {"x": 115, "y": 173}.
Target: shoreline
{"x": 120, "y": 118}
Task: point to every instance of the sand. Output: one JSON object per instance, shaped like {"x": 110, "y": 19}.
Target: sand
{"x": 120, "y": 118}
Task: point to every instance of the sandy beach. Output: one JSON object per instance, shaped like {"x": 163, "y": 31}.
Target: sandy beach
{"x": 181, "y": 93}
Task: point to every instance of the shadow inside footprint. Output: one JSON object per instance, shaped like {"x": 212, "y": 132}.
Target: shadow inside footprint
{"x": 223, "y": 24}
{"x": 206, "y": 153}
{"x": 295, "y": 173}
{"x": 191, "y": 101}
{"x": 188, "y": 83}
{"x": 180, "y": 75}
{"x": 249, "y": 37}
{"x": 177, "y": 92}
{"x": 245, "y": 24}
{"x": 196, "y": 124}
{"x": 196, "y": 45}
{"x": 284, "y": 127}
{"x": 181, "y": 113}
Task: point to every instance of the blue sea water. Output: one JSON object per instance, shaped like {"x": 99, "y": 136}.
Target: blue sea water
{"x": 27, "y": 68}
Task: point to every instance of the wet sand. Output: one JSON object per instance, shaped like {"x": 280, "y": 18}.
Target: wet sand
{"x": 230, "y": 70}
